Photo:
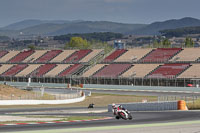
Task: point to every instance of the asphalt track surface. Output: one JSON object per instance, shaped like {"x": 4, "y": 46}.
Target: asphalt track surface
{"x": 138, "y": 118}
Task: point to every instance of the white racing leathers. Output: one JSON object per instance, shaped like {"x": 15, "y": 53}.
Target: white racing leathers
{"x": 117, "y": 110}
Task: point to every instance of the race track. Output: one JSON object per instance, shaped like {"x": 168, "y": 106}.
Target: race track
{"x": 139, "y": 118}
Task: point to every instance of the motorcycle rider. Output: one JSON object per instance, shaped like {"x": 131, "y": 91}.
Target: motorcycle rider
{"x": 116, "y": 108}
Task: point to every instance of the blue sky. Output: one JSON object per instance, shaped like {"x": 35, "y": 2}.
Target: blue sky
{"x": 126, "y": 11}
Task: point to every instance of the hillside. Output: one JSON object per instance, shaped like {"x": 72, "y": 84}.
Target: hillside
{"x": 80, "y": 27}
{"x": 154, "y": 28}
{"x": 33, "y": 22}
{"x": 178, "y": 32}
{"x": 62, "y": 27}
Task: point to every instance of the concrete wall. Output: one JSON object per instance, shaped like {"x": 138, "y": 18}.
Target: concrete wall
{"x": 150, "y": 106}
{"x": 37, "y": 102}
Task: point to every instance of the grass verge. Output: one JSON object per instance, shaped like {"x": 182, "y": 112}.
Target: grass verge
{"x": 99, "y": 99}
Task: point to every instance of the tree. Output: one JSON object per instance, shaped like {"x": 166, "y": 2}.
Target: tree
{"x": 77, "y": 42}
{"x": 156, "y": 44}
{"x": 189, "y": 42}
{"x": 31, "y": 47}
{"x": 166, "y": 43}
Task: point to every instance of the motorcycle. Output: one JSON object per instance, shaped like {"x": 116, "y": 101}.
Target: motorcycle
{"x": 123, "y": 114}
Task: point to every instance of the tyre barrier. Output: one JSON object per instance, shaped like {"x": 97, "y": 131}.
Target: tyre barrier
{"x": 182, "y": 105}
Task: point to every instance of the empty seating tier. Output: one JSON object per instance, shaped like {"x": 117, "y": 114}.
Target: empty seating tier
{"x": 62, "y": 56}
{"x": 188, "y": 54}
{"x": 5, "y": 67}
{"x": 114, "y": 55}
{"x": 9, "y": 56}
{"x": 14, "y": 70}
{"x": 112, "y": 70}
{"x": 92, "y": 70}
{"x": 35, "y": 56}
{"x": 58, "y": 69}
{"x": 48, "y": 56}
{"x": 193, "y": 72}
{"x": 21, "y": 56}
{"x": 28, "y": 70}
{"x": 42, "y": 70}
{"x": 2, "y": 53}
{"x": 161, "y": 54}
{"x": 133, "y": 55}
{"x": 91, "y": 55}
{"x": 78, "y": 55}
{"x": 70, "y": 70}
{"x": 140, "y": 70}
{"x": 168, "y": 71}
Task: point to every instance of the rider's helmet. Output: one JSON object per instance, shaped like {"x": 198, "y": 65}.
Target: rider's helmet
{"x": 113, "y": 105}
{"x": 120, "y": 106}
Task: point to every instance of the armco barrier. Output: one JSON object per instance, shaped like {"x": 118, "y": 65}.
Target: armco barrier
{"x": 138, "y": 88}
{"x": 149, "y": 106}
{"x": 37, "y": 102}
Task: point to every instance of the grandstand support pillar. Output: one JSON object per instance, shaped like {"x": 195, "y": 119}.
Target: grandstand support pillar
{"x": 142, "y": 82}
{"x": 175, "y": 82}
{"x": 158, "y": 81}
{"x": 184, "y": 83}
{"x": 150, "y": 82}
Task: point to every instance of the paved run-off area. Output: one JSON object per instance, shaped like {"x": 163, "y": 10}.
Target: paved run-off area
{"x": 172, "y": 127}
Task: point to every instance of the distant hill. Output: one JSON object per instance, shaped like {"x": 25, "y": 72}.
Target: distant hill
{"x": 178, "y": 32}
{"x": 63, "y": 27}
{"x": 80, "y": 27}
{"x": 33, "y": 22}
{"x": 154, "y": 28}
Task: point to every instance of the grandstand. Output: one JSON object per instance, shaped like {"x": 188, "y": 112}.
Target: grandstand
{"x": 77, "y": 56}
{"x": 140, "y": 66}
{"x": 187, "y": 55}
{"x": 48, "y": 56}
{"x": 21, "y": 56}
{"x": 43, "y": 69}
{"x": 37, "y": 54}
{"x": 58, "y": 69}
{"x": 140, "y": 70}
{"x": 70, "y": 70}
{"x": 133, "y": 55}
{"x": 2, "y": 53}
{"x": 168, "y": 70}
{"x": 161, "y": 54}
{"x": 8, "y": 56}
{"x": 62, "y": 56}
{"x": 14, "y": 70}
{"x": 117, "y": 53}
{"x": 25, "y": 72}
{"x": 112, "y": 70}
{"x": 192, "y": 73}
